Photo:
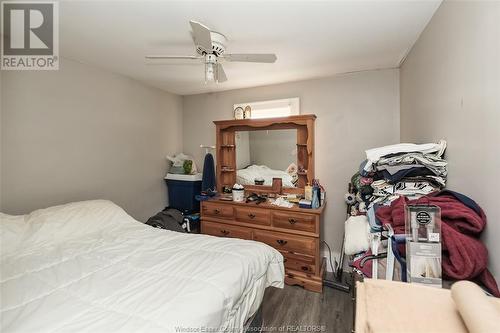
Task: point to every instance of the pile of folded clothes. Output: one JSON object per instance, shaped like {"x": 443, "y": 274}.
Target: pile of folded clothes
{"x": 396, "y": 175}
{"x": 404, "y": 169}
{"x": 388, "y": 173}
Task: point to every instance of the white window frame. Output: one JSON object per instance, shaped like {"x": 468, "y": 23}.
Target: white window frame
{"x": 273, "y": 108}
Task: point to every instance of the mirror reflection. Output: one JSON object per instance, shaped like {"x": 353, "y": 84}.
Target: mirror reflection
{"x": 266, "y": 154}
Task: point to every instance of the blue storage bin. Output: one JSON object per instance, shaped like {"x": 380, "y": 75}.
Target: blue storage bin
{"x": 182, "y": 190}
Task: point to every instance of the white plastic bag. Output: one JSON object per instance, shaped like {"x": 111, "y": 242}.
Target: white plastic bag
{"x": 357, "y": 231}
{"x": 178, "y": 162}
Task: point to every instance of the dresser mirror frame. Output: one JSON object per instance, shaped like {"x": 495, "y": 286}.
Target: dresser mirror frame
{"x": 226, "y": 149}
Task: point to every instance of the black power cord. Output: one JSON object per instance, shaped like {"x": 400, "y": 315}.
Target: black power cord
{"x": 337, "y": 282}
{"x": 334, "y": 269}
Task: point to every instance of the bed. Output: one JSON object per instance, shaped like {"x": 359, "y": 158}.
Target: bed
{"x": 89, "y": 266}
{"x": 248, "y": 175}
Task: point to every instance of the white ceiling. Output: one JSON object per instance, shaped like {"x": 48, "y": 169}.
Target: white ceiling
{"x": 310, "y": 39}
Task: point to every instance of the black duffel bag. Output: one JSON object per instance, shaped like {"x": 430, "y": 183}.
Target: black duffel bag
{"x": 169, "y": 219}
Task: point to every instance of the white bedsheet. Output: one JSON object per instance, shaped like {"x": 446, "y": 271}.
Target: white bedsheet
{"x": 89, "y": 266}
{"x": 247, "y": 176}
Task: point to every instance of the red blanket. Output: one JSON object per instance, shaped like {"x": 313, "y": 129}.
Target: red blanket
{"x": 464, "y": 256}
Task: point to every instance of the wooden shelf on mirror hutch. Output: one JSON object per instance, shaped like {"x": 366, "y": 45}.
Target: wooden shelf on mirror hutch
{"x": 226, "y": 146}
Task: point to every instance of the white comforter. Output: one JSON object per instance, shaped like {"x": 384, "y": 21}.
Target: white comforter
{"x": 89, "y": 266}
{"x": 247, "y": 176}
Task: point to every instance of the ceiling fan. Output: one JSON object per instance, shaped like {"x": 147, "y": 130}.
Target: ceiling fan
{"x": 211, "y": 47}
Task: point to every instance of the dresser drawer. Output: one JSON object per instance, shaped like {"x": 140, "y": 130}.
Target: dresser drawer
{"x": 224, "y": 230}
{"x": 217, "y": 210}
{"x": 287, "y": 242}
{"x": 299, "y": 263}
{"x": 253, "y": 215}
{"x": 295, "y": 221}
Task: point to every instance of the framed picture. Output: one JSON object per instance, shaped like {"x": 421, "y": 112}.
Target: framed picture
{"x": 248, "y": 112}
{"x": 239, "y": 113}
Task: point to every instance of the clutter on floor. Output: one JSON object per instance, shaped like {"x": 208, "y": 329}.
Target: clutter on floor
{"x": 191, "y": 223}
{"x": 394, "y": 177}
{"x": 174, "y": 220}
{"x": 465, "y": 257}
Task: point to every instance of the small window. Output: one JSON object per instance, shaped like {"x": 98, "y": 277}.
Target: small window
{"x": 272, "y": 109}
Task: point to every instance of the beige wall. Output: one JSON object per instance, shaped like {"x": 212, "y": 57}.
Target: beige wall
{"x": 84, "y": 133}
{"x": 355, "y": 112}
{"x": 450, "y": 88}
{"x": 1, "y": 140}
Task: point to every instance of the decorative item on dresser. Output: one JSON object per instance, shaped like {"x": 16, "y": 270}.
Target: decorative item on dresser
{"x": 294, "y": 231}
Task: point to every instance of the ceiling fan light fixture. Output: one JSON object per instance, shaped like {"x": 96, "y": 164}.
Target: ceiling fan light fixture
{"x": 211, "y": 48}
{"x": 211, "y": 68}
{"x": 210, "y": 72}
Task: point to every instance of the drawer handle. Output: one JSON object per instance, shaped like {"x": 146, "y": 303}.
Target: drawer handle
{"x": 292, "y": 220}
{"x": 252, "y": 216}
{"x": 281, "y": 242}
{"x": 216, "y": 211}
{"x": 305, "y": 268}
{"x": 224, "y": 232}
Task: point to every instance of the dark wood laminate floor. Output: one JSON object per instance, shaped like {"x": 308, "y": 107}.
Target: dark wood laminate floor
{"x": 294, "y": 309}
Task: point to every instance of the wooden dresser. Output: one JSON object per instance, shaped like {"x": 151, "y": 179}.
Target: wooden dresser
{"x": 295, "y": 232}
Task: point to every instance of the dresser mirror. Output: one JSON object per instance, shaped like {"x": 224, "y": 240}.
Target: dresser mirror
{"x": 262, "y": 155}
{"x": 252, "y": 152}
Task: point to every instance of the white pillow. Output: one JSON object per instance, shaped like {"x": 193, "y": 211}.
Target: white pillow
{"x": 60, "y": 223}
{"x": 357, "y": 231}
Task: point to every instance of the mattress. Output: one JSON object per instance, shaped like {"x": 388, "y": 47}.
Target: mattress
{"x": 89, "y": 266}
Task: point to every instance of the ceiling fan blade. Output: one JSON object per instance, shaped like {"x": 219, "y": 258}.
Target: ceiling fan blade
{"x": 267, "y": 58}
{"x": 201, "y": 35}
{"x": 221, "y": 75}
{"x": 163, "y": 57}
